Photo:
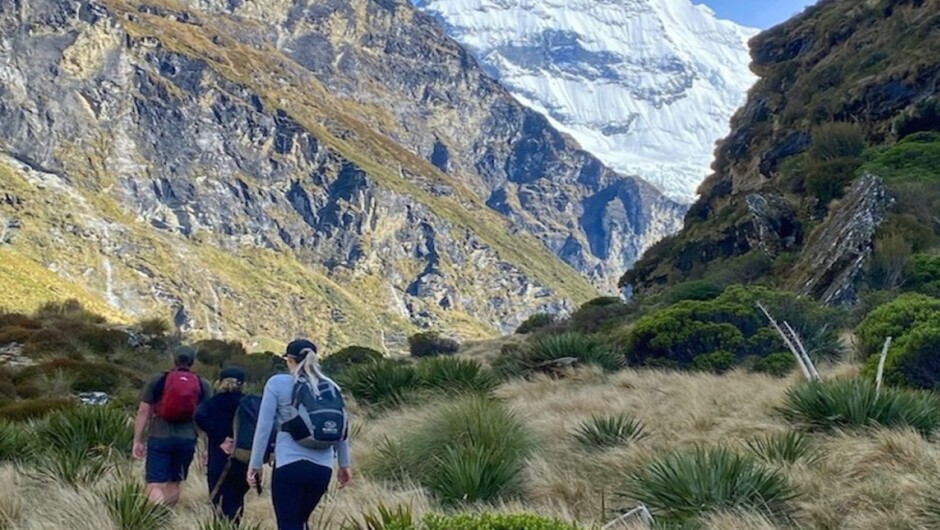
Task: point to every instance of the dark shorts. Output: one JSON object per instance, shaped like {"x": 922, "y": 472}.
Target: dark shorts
{"x": 168, "y": 459}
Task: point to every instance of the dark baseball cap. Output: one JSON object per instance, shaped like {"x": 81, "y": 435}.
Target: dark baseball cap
{"x": 232, "y": 372}
{"x": 184, "y": 355}
{"x": 300, "y": 348}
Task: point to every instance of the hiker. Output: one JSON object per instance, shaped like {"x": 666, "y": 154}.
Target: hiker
{"x": 215, "y": 418}
{"x": 168, "y": 403}
{"x": 312, "y": 431}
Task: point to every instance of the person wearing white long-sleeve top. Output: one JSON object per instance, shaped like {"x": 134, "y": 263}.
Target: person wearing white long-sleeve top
{"x": 301, "y": 475}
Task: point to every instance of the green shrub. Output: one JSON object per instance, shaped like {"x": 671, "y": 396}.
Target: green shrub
{"x": 68, "y": 311}
{"x": 700, "y": 290}
{"x": 18, "y": 320}
{"x": 381, "y": 383}
{"x": 494, "y": 521}
{"x": 913, "y": 361}
{"x": 832, "y": 141}
{"x": 681, "y": 487}
{"x": 896, "y": 319}
{"x": 448, "y": 374}
{"x": 472, "y": 449}
{"x": 854, "y": 404}
{"x": 101, "y": 340}
{"x": 925, "y": 116}
{"x": 717, "y": 362}
{"x": 535, "y": 322}
{"x": 218, "y": 353}
{"x": 679, "y": 334}
{"x": 609, "y": 431}
{"x": 600, "y": 315}
{"x": 788, "y": 447}
{"x": 778, "y": 364}
{"x": 923, "y": 275}
{"x": 336, "y": 363}
{"x": 29, "y": 409}
{"x": 430, "y": 344}
{"x": 130, "y": 509}
{"x": 913, "y": 159}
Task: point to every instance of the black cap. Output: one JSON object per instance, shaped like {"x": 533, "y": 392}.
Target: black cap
{"x": 185, "y": 355}
{"x": 232, "y": 372}
{"x": 300, "y": 348}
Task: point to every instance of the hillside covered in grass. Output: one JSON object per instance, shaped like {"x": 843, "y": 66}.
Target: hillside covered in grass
{"x": 688, "y": 404}
{"x": 827, "y": 184}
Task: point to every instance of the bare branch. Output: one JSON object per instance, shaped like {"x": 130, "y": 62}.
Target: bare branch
{"x": 881, "y": 365}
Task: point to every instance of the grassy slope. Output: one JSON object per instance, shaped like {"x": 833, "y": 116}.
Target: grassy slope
{"x": 868, "y": 480}
{"x": 329, "y": 117}
{"x": 257, "y": 281}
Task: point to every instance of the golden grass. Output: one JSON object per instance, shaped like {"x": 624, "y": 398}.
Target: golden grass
{"x": 865, "y": 480}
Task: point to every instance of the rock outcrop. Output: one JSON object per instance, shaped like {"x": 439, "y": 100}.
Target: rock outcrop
{"x": 864, "y": 64}
{"x": 336, "y": 169}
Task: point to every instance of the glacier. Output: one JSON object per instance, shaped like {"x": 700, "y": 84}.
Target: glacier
{"x": 647, "y": 86}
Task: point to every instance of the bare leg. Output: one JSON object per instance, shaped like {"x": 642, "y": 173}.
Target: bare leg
{"x": 171, "y": 493}
{"x": 155, "y": 492}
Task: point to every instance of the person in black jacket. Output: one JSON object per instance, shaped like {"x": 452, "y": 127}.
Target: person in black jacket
{"x": 227, "y": 482}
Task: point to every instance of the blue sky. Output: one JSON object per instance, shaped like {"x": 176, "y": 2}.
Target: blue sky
{"x": 756, "y": 13}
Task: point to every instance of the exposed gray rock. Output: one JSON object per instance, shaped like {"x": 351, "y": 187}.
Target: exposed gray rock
{"x": 833, "y": 259}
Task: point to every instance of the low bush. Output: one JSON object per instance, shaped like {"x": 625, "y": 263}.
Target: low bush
{"x": 336, "y": 363}
{"x": 535, "y": 322}
{"x": 601, "y": 432}
{"x": 430, "y": 344}
{"x": 472, "y": 449}
{"x": 381, "y": 383}
{"x": 29, "y": 409}
{"x": 787, "y": 448}
{"x": 923, "y": 275}
{"x": 855, "y": 404}
{"x": 218, "y": 353}
{"x": 778, "y": 364}
{"x": 449, "y": 374}
{"x": 681, "y": 487}
{"x": 600, "y": 315}
{"x": 700, "y": 290}
{"x": 897, "y": 318}
{"x": 154, "y": 326}
{"x": 730, "y": 328}
{"x": 68, "y": 311}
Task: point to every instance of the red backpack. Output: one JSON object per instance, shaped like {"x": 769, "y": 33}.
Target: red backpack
{"x": 180, "y": 396}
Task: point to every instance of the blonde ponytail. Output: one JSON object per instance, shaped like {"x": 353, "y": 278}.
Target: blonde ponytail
{"x": 309, "y": 369}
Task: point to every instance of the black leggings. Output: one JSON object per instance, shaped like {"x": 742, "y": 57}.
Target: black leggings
{"x": 296, "y": 490}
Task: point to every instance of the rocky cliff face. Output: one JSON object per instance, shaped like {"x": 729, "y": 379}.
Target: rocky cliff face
{"x": 336, "y": 169}
{"x": 839, "y": 62}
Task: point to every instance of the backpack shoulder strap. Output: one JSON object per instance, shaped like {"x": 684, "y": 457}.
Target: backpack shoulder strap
{"x": 158, "y": 386}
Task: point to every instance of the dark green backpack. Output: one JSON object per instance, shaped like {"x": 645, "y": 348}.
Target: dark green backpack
{"x": 244, "y": 426}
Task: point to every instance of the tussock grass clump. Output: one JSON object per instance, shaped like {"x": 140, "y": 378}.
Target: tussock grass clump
{"x": 218, "y": 523}
{"x": 788, "y": 448}
{"x": 101, "y": 430}
{"x": 74, "y": 467}
{"x": 381, "y": 383}
{"x": 450, "y": 374}
{"x": 130, "y": 509}
{"x": 30, "y": 409}
{"x": 383, "y": 518}
{"x": 471, "y": 449}
{"x": 854, "y": 403}
{"x": 587, "y": 350}
{"x": 609, "y": 431}
{"x": 494, "y": 521}
{"x": 15, "y": 444}
{"x": 682, "y": 487}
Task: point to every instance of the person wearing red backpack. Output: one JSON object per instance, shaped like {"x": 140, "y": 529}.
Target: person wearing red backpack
{"x": 168, "y": 404}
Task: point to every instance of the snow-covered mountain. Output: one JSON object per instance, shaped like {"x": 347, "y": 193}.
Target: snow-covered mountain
{"x": 648, "y": 86}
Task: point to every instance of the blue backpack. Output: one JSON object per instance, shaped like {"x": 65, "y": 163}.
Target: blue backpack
{"x": 317, "y": 421}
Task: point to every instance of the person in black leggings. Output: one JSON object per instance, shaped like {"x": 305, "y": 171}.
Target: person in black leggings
{"x": 214, "y": 418}
{"x": 301, "y": 475}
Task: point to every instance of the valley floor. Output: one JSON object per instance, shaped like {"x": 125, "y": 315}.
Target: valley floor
{"x": 865, "y": 480}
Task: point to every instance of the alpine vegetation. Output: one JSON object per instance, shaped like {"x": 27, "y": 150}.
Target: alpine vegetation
{"x": 684, "y": 486}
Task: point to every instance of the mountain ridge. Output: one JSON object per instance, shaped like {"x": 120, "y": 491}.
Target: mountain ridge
{"x": 207, "y": 155}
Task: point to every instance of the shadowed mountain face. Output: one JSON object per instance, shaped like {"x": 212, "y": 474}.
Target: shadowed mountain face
{"x": 331, "y": 168}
